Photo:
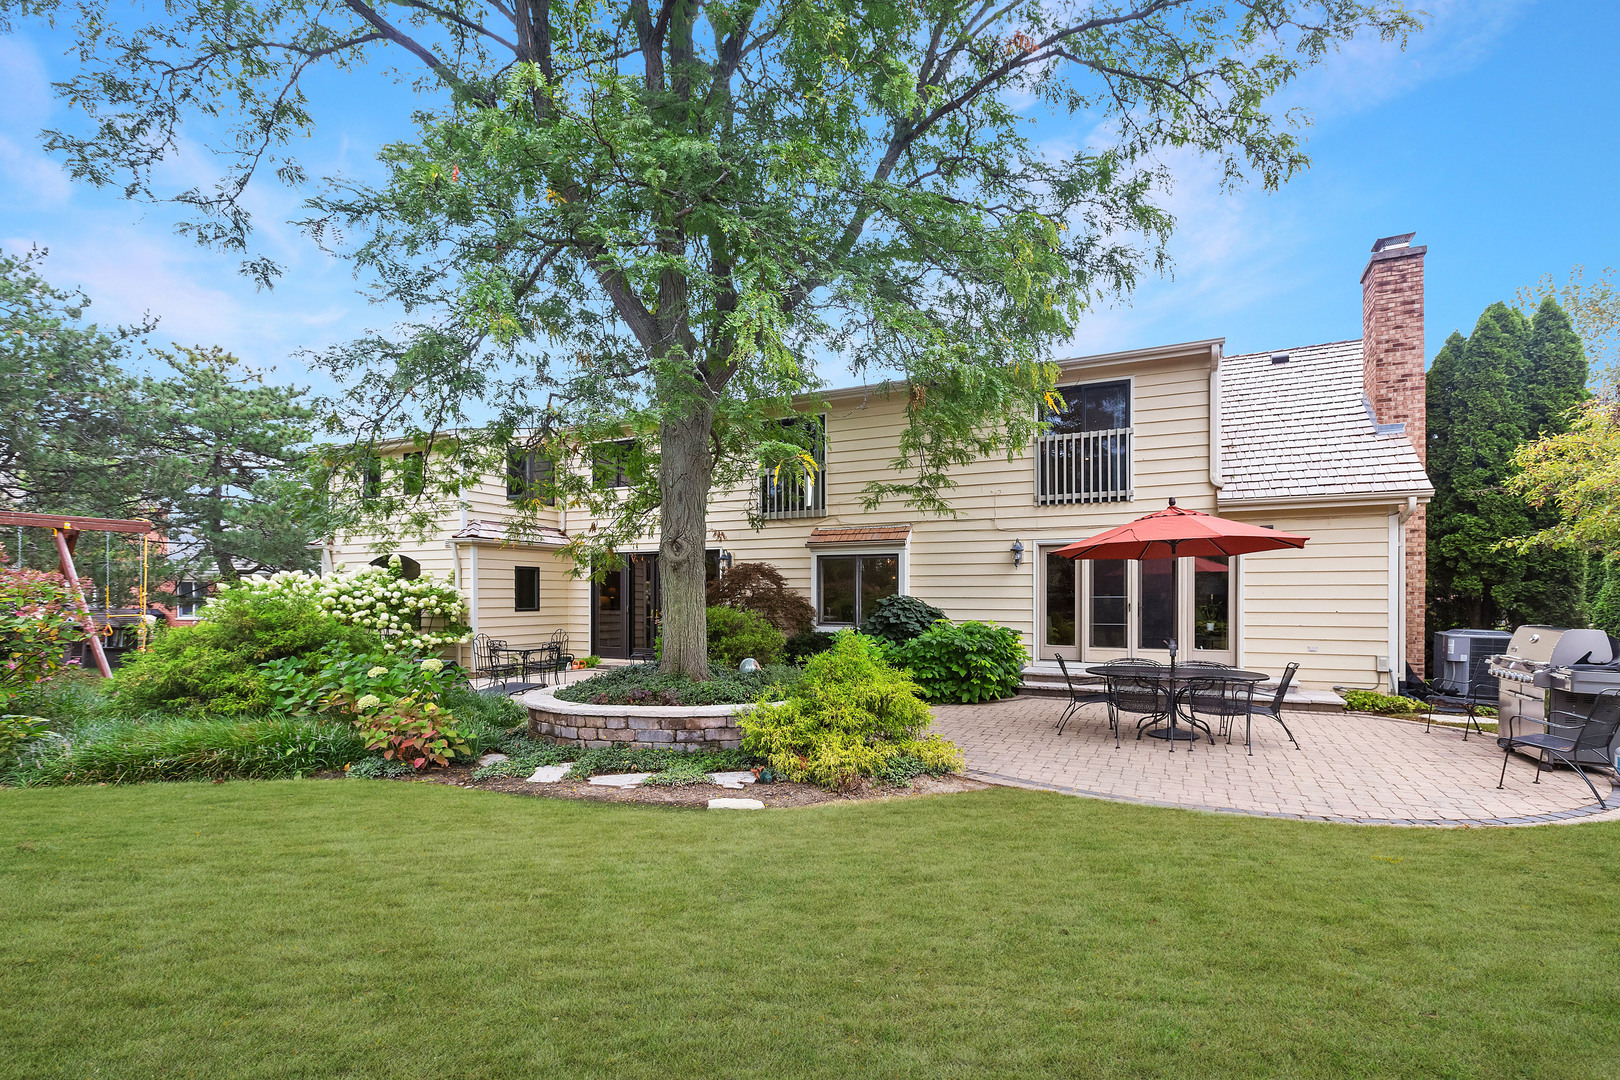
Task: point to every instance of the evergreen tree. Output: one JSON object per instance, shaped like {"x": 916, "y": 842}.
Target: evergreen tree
{"x": 1606, "y": 594}
{"x": 1487, "y": 395}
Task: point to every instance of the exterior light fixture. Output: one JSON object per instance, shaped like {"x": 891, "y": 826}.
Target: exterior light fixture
{"x": 725, "y": 560}
{"x": 1018, "y": 553}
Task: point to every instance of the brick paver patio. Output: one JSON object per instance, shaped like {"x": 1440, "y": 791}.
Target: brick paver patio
{"x": 1353, "y": 768}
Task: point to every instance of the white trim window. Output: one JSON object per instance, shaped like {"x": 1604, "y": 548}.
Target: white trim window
{"x": 849, "y": 583}
{"x": 189, "y": 596}
{"x": 1085, "y": 456}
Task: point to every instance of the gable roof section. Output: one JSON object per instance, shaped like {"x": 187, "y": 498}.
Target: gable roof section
{"x": 1303, "y": 429}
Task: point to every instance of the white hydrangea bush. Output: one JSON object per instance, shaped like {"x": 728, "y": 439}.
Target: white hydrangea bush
{"x": 424, "y": 615}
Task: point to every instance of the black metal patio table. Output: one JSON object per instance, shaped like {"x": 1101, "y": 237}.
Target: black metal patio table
{"x": 1172, "y": 677}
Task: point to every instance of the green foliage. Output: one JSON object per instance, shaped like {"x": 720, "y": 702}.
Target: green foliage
{"x": 191, "y": 748}
{"x": 760, "y": 587}
{"x": 964, "y": 662}
{"x": 38, "y": 618}
{"x": 645, "y": 684}
{"x": 1371, "y": 701}
{"x": 376, "y": 768}
{"x": 735, "y": 635}
{"x": 1487, "y": 395}
{"x": 1606, "y": 597}
{"x": 647, "y": 759}
{"x": 338, "y": 674}
{"x": 16, "y": 730}
{"x": 593, "y": 661}
{"x": 849, "y": 716}
{"x": 900, "y": 618}
{"x": 801, "y": 647}
{"x": 214, "y": 666}
{"x": 415, "y": 616}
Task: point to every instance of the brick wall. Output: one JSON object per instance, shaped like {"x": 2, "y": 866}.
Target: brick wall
{"x": 1392, "y": 355}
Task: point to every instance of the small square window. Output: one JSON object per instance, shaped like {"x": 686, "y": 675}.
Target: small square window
{"x": 526, "y": 588}
{"x": 849, "y": 586}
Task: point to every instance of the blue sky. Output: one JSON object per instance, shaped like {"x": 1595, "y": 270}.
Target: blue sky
{"x": 1492, "y": 136}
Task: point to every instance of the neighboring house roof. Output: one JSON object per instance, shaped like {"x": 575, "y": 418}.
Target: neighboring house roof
{"x": 1303, "y": 428}
{"x": 541, "y": 536}
{"x": 860, "y": 534}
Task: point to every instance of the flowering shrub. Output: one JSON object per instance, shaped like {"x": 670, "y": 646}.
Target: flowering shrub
{"x": 38, "y": 620}
{"x": 392, "y": 699}
{"x": 417, "y": 616}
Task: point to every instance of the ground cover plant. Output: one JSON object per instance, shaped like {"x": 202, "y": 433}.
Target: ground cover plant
{"x": 251, "y": 930}
{"x": 1371, "y": 701}
{"x": 644, "y": 684}
{"x": 852, "y": 715}
{"x": 897, "y": 619}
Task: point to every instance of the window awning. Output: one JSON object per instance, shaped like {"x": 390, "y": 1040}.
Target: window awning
{"x": 860, "y": 534}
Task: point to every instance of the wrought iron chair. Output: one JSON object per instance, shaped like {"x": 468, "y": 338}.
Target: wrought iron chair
{"x": 1219, "y": 699}
{"x": 1481, "y": 693}
{"x": 1079, "y": 697}
{"x": 1272, "y": 709}
{"x": 1594, "y": 731}
{"x": 1148, "y": 699}
{"x": 493, "y": 660}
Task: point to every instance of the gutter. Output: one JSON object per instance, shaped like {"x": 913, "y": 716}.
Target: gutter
{"x": 1412, "y": 497}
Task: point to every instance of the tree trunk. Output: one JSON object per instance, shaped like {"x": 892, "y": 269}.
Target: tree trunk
{"x": 685, "y": 472}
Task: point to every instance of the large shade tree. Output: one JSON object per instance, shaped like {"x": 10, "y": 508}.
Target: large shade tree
{"x": 645, "y": 221}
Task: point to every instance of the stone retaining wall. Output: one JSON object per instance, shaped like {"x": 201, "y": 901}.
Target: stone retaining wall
{"x": 691, "y": 727}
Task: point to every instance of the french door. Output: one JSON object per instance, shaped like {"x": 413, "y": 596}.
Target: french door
{"x": 624, "y": 609}
{"x": 1095, "y": 610}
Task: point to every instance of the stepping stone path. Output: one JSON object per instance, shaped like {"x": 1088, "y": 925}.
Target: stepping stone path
{"x": 491, "y": 759}
{"x": 550, "y": 774}
{"x": 733, "y": 780}
{"x": 621, "y": 780}
{"x": 736, "y": 804}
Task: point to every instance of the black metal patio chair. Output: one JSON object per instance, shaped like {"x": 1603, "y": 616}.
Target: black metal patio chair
{"x": 1217, "y": 699}
{"x": 1272, "y": 709}
{"x": 493, "y": 660}
{"x": 1145, "y": 697}
{"x": 1079, "y": 697}
{"x": 1480, "y": 693}
{"x": 1594, "y": 731}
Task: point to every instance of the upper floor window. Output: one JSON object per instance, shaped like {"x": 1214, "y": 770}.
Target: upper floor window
{"x": 190, "y": 595}
{"x": 413, "y": 473}
{"x": 791, "y": 492}
{"x": 529, "y": 476}
{"x": 1086, "y": 454}
{"x": 371, "y": 473}
{"x": 610, "y": 463}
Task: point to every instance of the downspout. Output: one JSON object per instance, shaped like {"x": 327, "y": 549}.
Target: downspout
{"x": 1397, "y": 632}
{"x": 1216, "y": 479}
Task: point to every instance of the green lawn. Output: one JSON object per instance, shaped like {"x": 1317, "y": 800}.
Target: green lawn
{"x": 352, "y": 928}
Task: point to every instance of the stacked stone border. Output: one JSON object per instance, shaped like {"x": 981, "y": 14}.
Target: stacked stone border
{"x": 688, "y": 727}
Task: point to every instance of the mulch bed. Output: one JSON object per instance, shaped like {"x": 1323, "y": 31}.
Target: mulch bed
{"x": 695, "y": 795}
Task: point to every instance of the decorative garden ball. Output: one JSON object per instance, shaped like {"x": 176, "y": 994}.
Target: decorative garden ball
{"x": 750, "y": 664}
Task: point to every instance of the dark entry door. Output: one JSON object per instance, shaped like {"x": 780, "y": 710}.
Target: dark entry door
{"x": 624, "y": 610}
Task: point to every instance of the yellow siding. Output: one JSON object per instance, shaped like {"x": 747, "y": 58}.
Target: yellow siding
{"x": 1331, "y": 597}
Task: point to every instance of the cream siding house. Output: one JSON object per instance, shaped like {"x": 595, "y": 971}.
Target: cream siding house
{"x": 1292, "y": 440}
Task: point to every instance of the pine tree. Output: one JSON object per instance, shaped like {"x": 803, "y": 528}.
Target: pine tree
{"x": 1606, "y": 594}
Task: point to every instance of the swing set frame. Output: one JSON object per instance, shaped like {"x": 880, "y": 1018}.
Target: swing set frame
{"x": 65, "y": 530}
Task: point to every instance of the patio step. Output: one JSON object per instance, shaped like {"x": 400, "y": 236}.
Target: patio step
{"x": 1045, "y": 680}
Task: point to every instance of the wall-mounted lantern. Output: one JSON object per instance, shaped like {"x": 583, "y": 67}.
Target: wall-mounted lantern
{"x": 1018, "y": 553}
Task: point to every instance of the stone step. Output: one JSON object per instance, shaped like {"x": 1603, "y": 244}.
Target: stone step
{"x": 1047, "y": 681}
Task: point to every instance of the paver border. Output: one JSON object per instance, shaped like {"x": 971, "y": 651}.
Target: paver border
{"x": 1553, "y": 818}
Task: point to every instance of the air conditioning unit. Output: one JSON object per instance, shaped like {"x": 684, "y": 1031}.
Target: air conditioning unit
{"x": 1460, "y": 658}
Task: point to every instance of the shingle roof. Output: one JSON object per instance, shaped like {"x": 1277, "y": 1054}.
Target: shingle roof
{"x": 857, "y": 534}
{"x": 541, "y": 536}
{"x": 1302, "y": 429}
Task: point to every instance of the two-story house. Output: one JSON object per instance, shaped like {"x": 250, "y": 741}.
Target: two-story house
{"x": 1325, "y": 440}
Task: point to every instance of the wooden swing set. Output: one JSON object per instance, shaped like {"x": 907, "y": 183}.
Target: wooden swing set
{"x": 66, "y": 532}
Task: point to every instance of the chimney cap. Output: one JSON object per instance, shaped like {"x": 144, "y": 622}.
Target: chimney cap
{"x": 1389, "y": 243}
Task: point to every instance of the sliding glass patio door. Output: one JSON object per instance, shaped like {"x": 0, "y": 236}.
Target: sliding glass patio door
{"x": 1097, "y": 610}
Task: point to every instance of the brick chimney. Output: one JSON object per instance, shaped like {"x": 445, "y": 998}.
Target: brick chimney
{"x": 1392, "y": 377}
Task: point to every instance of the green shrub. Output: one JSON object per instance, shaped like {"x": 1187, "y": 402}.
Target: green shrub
{"x": 900, "y": 618}
{"x": 376, "y": 768}
{"x": 735, "y": 635}
{"x": 761, "y": 588}
{"x": 38, "y": 617}
{"x": 214, "y": 666}
{"x": 15, "y": 731}
{"x": 801, "y": 647}
{"x": 963, "y": 662}
{"x": 1371, "y": 701}
{"x": 644, "y": 684}
{"x": 648, "y": 759}
{"x": 190, "y": 748}
{"x": 850, "y": 716}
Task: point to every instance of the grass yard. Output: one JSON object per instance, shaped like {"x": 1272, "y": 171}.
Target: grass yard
{"x": 369, "y": 929}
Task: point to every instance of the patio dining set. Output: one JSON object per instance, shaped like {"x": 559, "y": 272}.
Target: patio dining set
{"x": 1179, "y": 702}
{"x": 511, "y": 671}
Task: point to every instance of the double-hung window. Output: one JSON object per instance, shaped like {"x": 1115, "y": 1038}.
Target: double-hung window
{"x": 529, "y": 477}
{"x": 610, "y": 463}
{"x": 1085, "y": 456}
{"x": 190, "y": 595}
{"x": 848, "y": 587}
{"x": 793, "y": 491}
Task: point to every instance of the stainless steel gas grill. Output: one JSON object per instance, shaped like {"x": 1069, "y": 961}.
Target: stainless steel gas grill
{"x": 1570, "y": 667}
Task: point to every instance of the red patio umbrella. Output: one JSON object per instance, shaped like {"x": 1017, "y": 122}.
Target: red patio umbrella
{"x": 1173, "y": 532}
